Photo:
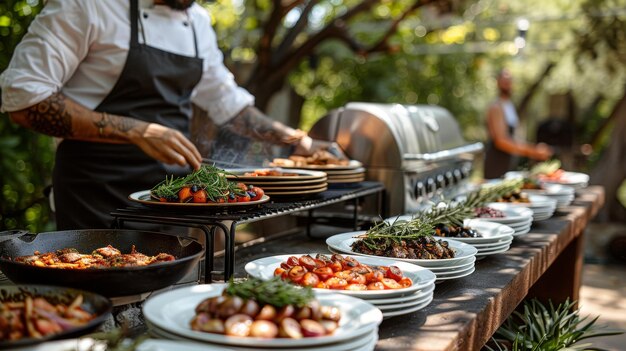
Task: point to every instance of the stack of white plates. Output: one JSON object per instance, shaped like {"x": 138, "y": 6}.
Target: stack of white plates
{"x": 353, "y": 172}
{"x": 392, "y": 303}
{"x": 494, "y": 238}
{"x": 292, "y": 182}
{"x": 168, "y": 315}
{"x": 445, "y": 269}
{"x": 563, "y": 194}
{"x": 516, "y": 217}
{"x": 543, "y": 207}
{"x": 575, "y": 180}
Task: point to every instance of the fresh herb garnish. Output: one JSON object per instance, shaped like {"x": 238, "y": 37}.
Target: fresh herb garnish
{"x": 273, "y": 292}
{"x": 208, "y": 177}
{"x": 451, "y": 213}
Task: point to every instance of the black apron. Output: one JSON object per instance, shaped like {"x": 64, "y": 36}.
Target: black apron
{"x": 498, "y": 162}
{"x": 92, "y": 179}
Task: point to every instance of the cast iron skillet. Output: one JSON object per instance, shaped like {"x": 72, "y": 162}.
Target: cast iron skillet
{"x": 111, "y": 282}
{"x": 92, "y": 303}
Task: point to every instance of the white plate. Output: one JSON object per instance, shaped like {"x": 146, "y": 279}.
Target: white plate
{"x": 460, "y": 275}
{"x": 513, "y": 213}
{"x": 173, "y": 310}
{"x": 300, "y": 175}
{"x": 461, "y": 266}
{"x": 398, "y": 306}
{"x": 263, "y": 268}
{"x": 356, "y": 344}
{"x": 488, "y": 231}
{"x": 552, "y": 190}
{"x": 359, "y": 343}
{"x": 480, "y": 255}
{"x": 393, "y": 300}
{"x": 408, "y": 310}
{"x": 521, "y": 232}
{"x": 342, "y": 242}
{"x": 454, "y": 273}
{"x": 143, "y": 197}
{"x": 446, "y": 270}
{"x": 493, "y": 249}
{"x": 494, "y": 244}
{"x": 353, "y": 164}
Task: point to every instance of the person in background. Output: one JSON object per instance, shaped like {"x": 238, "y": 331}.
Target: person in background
{"x": 503, "y": 149}
{"x": 115, "y": 80}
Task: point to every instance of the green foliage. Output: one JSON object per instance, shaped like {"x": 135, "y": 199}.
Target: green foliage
{"x": 547, "y": 328}
{"x": 25, "y": 157}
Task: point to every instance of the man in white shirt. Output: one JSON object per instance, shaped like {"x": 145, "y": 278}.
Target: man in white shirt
{"x": 115, "y": 79}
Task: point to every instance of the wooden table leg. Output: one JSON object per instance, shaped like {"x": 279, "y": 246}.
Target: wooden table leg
{"x": 562, "y": 280}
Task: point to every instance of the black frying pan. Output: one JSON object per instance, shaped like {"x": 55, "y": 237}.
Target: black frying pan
{"x": 92, "y": 303}
{"x": 111, "y": 282}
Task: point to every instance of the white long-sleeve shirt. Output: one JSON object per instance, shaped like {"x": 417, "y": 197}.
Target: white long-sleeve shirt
{"x": 79, "y": 48}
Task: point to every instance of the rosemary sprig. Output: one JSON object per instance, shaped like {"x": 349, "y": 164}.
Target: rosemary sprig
{"x": 208, "y": 177}
{"x": 423, "y": 224}
{"x": 274, "y": 292}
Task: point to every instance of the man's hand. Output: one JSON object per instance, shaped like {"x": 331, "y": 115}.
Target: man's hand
{"x": 308, "y": 146}
{"x": 167, "y": 145}
{"x": 543, "y": 152}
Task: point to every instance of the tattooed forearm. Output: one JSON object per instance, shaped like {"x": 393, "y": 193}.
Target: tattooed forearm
{"x": 115, "y": 126}
{"x": 254, "y": 124}
{"x": 61, "y": 116}
{"x": 51, "y": 117}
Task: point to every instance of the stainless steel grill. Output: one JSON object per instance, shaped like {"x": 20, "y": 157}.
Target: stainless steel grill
{"x": 416, "y": 151}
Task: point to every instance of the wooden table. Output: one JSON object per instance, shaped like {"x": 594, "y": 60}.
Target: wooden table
{"x": 465, "y": 313}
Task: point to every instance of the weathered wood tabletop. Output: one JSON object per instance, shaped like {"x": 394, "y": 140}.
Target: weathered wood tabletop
{"x": 546, "y": 263}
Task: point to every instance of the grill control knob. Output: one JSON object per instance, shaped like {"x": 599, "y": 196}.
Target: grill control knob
{"x": 431, "y": 187}
{"x": 449, "y": 179}
{"x": 458, "y": 176}
{"x": 419, "y": 190}
{"x": 441, "y": 182}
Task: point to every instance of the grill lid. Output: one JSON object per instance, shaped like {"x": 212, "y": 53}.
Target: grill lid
{"x": 392, "y": 135}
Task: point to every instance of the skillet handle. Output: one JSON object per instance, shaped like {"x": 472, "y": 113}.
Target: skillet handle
{"x": 12, "y": 234}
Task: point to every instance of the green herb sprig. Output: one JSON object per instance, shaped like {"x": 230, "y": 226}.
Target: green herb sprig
{"x": 208, "y": 177}
{"x": 423, "y": 224}
{"x": 274, "y": 292}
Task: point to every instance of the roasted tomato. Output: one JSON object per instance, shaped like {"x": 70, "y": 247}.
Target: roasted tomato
{"x": 374, "y": 276}
{"x": 356, "y": 287}
{"x": 324, "y": 272}
{"x": 375, "y": 286}
{"x": 391, "y": 284}
{"x": 293, "y": 261}
{"x": 337, "y": 283}
{"x": 336, "y": 266}
{"x": 200, "y": 196}
{"x": 242, "y": 186}
{"x": 357, "y": 279}
{"x": 310, "y": 279}
{"x": 243, "y": 198}
{"x": 297, "y": 273}
{"x": 279, "y": 271}
{"x": 258, "y": 193}
{"x": 232, "y": 197}
{"x": 405, "y": 282}
{"x": 394, "y": 273}
{"x": 308, "y": 262}
{"x": 347, "y": 275}
{"x": 349, "y": 263}
{"x": 321, "y": 285}
{"x": 184, "y": 194}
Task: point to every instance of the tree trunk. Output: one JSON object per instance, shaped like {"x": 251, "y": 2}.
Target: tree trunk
{"x": 610, "y": 171}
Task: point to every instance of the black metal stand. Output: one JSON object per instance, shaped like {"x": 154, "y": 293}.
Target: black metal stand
{"x": 210, "y": 221}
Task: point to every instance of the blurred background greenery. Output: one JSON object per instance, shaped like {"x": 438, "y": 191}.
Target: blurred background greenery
{"x": 567, "y": 57}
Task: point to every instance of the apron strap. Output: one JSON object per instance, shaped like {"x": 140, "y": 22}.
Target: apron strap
{"x": 134, "y": 14}
{"x": 193, "y": 30}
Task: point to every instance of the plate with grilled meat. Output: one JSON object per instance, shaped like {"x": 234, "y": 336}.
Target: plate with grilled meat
{"x": 427, "y": 251}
